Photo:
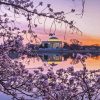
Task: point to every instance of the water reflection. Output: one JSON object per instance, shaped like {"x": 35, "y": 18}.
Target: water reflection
{"x": 61, "y": 57}
{"x": 61, "y": 60}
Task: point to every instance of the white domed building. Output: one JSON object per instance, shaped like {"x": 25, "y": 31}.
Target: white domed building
{"x": 52, "y": 43}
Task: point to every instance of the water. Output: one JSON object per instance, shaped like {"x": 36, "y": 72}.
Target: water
{"x": 62, "y": 60}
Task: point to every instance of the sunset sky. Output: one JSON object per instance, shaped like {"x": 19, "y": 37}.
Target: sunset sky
{"x": 89, "y": 24}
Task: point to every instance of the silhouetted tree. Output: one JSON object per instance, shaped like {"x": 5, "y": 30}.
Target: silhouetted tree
{"x": 66, "y": 46}
{"x": 75, "y": 45}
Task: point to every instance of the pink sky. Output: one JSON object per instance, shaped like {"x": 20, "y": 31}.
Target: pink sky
{"x": 89, "y": 24}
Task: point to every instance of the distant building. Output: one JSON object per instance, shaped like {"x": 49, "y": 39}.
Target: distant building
{"x": 53, "y": 43}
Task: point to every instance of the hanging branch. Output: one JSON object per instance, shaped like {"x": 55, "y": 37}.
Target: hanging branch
{"x": 44, "y": 24}
{"x": 53, "y": 23}
{"x": 65, "y": 31}
{"x": 39, "y": 14}
{"x": 83, "y": 7}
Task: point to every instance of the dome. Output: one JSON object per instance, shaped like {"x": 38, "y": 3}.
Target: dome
{"x": 53, "y": 39}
